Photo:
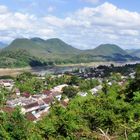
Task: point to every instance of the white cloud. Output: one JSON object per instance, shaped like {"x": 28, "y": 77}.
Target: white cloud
{"x": 85, "y": 28}
{"x": 3, "y": 9}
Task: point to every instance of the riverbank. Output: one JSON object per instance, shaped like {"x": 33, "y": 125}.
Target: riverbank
{"x": 96, "y": 64}
{"x": 13, "y": 71}
{"x": 58, "y": 68}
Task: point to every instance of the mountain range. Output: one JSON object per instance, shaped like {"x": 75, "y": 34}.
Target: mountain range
{"x": 39, "y": 52}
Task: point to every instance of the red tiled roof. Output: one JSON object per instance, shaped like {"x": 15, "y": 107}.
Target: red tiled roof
{"x": 48, "y": 92}
{"x": 56, "y": 94}
{"x": 64, "y": 103}
{"x": 7, "y": 109}
{"x": 48, "y": 100}
{"x": 31, "y": 105}
{"x": 30, "y": 117}
{"x": 25, "y": 94}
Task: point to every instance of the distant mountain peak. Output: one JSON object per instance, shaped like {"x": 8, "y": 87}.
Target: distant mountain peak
{"x": 37, "y": 39}
{"x": 113, "y": 46}
{"x": 54, "y": 39}
{"x": 109, "y": 49}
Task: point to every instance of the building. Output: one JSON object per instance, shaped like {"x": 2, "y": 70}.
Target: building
{"x": 96, "y": 89}
{"x": 59, "y": 88}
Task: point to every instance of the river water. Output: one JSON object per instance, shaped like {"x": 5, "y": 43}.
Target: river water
{"x": 59, "y": 69}
{"x": 62, "y": 69}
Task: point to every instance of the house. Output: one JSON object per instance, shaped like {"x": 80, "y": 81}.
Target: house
{"x": 83, "y": 94}
{"x": 8, "y": 83}
{"x": 48, "y": 100}
{"x": 26, "y": 94}
{"x": 31, "y": 117}
{"x": 21, "y": 101}
{"x": 59, "y": 88}
{"x": 132, "y": 75}
{"x": 7, "y": 109}
{"x": 96, "y": 89}
{"x": 57, "y": 95}
{"x": 65, "y": 102}
{"x": 30, "y": 107}
{"x": 35, "y": 106}
{"x": 109, "y": 83}
{"x": 17, "y": 91}
{"x": 47, "y": 92}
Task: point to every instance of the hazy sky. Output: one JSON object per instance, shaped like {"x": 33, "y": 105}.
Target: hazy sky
{"x": 83, "y": 23}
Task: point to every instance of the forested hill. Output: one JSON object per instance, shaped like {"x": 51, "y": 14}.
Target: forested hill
{"x": 107, "y": 50}
{"x": 37, "y": 52}
{"x": 39, "y": 47}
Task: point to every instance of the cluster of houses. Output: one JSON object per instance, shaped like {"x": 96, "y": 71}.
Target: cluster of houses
{"x": 36, "y": 106}
{"x": 7, "y": 83}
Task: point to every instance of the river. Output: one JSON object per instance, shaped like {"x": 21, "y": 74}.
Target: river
{"x": 59, "y": 68}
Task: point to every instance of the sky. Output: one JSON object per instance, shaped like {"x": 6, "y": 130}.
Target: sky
{"x": 85, "y": 24}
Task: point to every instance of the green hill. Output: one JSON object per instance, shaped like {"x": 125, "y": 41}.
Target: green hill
{"x": 23, "y": 51}
{"x": 107, "y": 50}
{"x": 134, "y": 52}
{"x": 49, "y": 46}
{"x": 19, "y": 58}
{"x": 58, "y": 46}
{"x": 38, "y": 52}
{"x": 43, "y": 48}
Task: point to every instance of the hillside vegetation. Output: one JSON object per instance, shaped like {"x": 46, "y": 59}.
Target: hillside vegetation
{"x": 37, "y": 52}
{"x": 112, "y": 114}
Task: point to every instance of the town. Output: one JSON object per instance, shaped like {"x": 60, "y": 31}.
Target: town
{"x": 36, "y": 94}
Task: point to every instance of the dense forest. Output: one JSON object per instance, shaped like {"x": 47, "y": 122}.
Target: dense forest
{"x": 114, "y": 113}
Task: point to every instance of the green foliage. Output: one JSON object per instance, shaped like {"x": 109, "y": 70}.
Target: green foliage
{"x": 85, "y": 85}
{"x": 19, "y": 58}
{"x": 27, "y": 82}
{"x": 53, "y": 81}
{"x": 70, "y": 91}
{"x": 85, "y": 118}
{"x": 133, "y": 86}
{"x": 15, "y": 127}
{"x": 3, "y": 94}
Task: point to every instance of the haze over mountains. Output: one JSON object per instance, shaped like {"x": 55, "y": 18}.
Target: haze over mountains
{"x": 2, "y": 45}
{"x": 38, "y": 52}
{"x": 134, "y": 52}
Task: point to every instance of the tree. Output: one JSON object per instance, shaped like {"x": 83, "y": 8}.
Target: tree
{"x": 3, "y": 94}
{"x": 27, "y": 82}
{"x": 70, "y": 91}
{"x": 14, "y": 126}
{"x": 74, "y": 80}
{"x": 133, "y": 86}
